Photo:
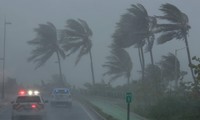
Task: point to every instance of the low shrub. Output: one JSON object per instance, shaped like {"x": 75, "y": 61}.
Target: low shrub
{"x": 175, "y": 108}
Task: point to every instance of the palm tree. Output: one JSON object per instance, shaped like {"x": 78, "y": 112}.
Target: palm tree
{"x": 145, "y": 26}
{"x": 119, "y": 64}
{"x": 77, "y": 37}
{"x": 136, "y": 28}
{"x": 170, "y": 67}
{"x": 46, "y": 44}
{"x": 177, "y": 28}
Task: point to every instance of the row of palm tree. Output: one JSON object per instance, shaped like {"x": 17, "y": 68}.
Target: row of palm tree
{"x": 75, "y": 37}
{"x": 136, "y": 28}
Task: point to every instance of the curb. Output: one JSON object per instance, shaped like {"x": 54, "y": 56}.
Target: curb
{"x": 93, "y": 110}
{"x": 87, "y": 104}
{"x": 136, "y": 116}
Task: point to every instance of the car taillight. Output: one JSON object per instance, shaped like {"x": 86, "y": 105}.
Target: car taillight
{"x": 22, "y": 92}
{"x": 33, "y": 106}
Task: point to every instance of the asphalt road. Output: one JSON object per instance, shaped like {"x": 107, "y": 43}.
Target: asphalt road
{"x": 78, "y": 112}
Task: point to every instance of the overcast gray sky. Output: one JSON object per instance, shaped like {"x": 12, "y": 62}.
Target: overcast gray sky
{"x": 101, "y": 15}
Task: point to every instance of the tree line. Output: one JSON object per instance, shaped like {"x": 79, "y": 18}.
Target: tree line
{"x": 135, "y": 28}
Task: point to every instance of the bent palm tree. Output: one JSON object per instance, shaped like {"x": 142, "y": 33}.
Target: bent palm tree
{"x": 126, "y": 35}
{"x": 170, "y": 67}
{"x": 145, "y": 26}
{"x": 76, "y": 37}
{"x": 46, "y": 44}
{"x": 177, "y": 28}
{"x": 119, "y": 64}
{"x": 136, "y": 28}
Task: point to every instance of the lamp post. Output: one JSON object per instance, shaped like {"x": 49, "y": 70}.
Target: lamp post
{"x": 176, "y": 72}
{"x": 4, "y": 56}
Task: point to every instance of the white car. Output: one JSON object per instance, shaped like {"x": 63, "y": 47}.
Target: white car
{"x": 26, "y": 105}
{"x": 61, "y": 97}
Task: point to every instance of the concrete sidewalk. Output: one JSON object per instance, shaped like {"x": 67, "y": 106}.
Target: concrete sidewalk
{"x": 110, "y": 107}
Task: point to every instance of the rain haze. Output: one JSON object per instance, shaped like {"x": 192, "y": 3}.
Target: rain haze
{"x": 102, "y": 16}
{"x": 113, "y": 80}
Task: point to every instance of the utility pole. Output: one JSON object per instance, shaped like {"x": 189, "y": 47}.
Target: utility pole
{"x": 4, "y": 57}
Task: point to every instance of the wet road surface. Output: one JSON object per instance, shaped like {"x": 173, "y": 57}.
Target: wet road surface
{"x": 77, "y": 112}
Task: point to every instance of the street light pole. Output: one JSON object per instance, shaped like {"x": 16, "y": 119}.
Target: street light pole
{"x": 4, "y": 57}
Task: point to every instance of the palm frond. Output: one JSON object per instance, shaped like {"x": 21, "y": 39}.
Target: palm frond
{"x": 46, "y": 44}
{"x": 133, "y": 27}
{"x": 84, "y": 50}
{"x": 46, "y": 33}
{"x": 170, "y": 65}
{"x": 127, "y": 33}
{"x": 75, "y": 26}
{"x": 73, "y": 34}
{"x": 167, "y": 27}
{"x": 165, "y": 37}
{"x": 34, "y": 42}
{"x": 72, "y": 48}
{"x": 86, "y": 27}
{"x": 42, "y": 60}
{"x": 177, "y": 26}
{"x": 119, "y": 62}
{"x": 171, "y": 13}
{"x": 138, "y": 10}
{"x": 76, "y": 37}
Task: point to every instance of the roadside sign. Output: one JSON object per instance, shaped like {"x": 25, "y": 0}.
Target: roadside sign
{"x": 128, "y": 101}
{"x": 128, "y": 97}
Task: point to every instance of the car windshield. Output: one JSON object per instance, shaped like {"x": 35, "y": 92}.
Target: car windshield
{"x": 28, "y": 99}
{"x": 61, "y": 91}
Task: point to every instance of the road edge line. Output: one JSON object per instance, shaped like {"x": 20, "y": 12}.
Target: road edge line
{"x": 88, "y": 114}
{"x": 94, "y": 112}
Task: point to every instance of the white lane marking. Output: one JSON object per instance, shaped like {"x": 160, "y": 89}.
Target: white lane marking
{"x": 88, "y": 114}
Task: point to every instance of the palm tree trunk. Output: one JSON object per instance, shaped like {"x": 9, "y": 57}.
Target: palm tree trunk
{"x": 59, "y": 65}
{"x": 151, "y": 54}
{"x": 143, "y": 62}
{"x": 140, "y": 53}
{"x": 140, "y": 58}
{"x": 92, "y": 68}
{"x": 189, "y": 59}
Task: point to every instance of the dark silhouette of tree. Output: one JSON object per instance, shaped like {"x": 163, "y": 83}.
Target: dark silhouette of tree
{"x": 170, "y": 65}
{"x": 119, "y": 64}
{"x": 46, "y": 44}
{"x": 77, "y": 37}
{"x": 136, "y": 29}
{"x": 177, "y": 27}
